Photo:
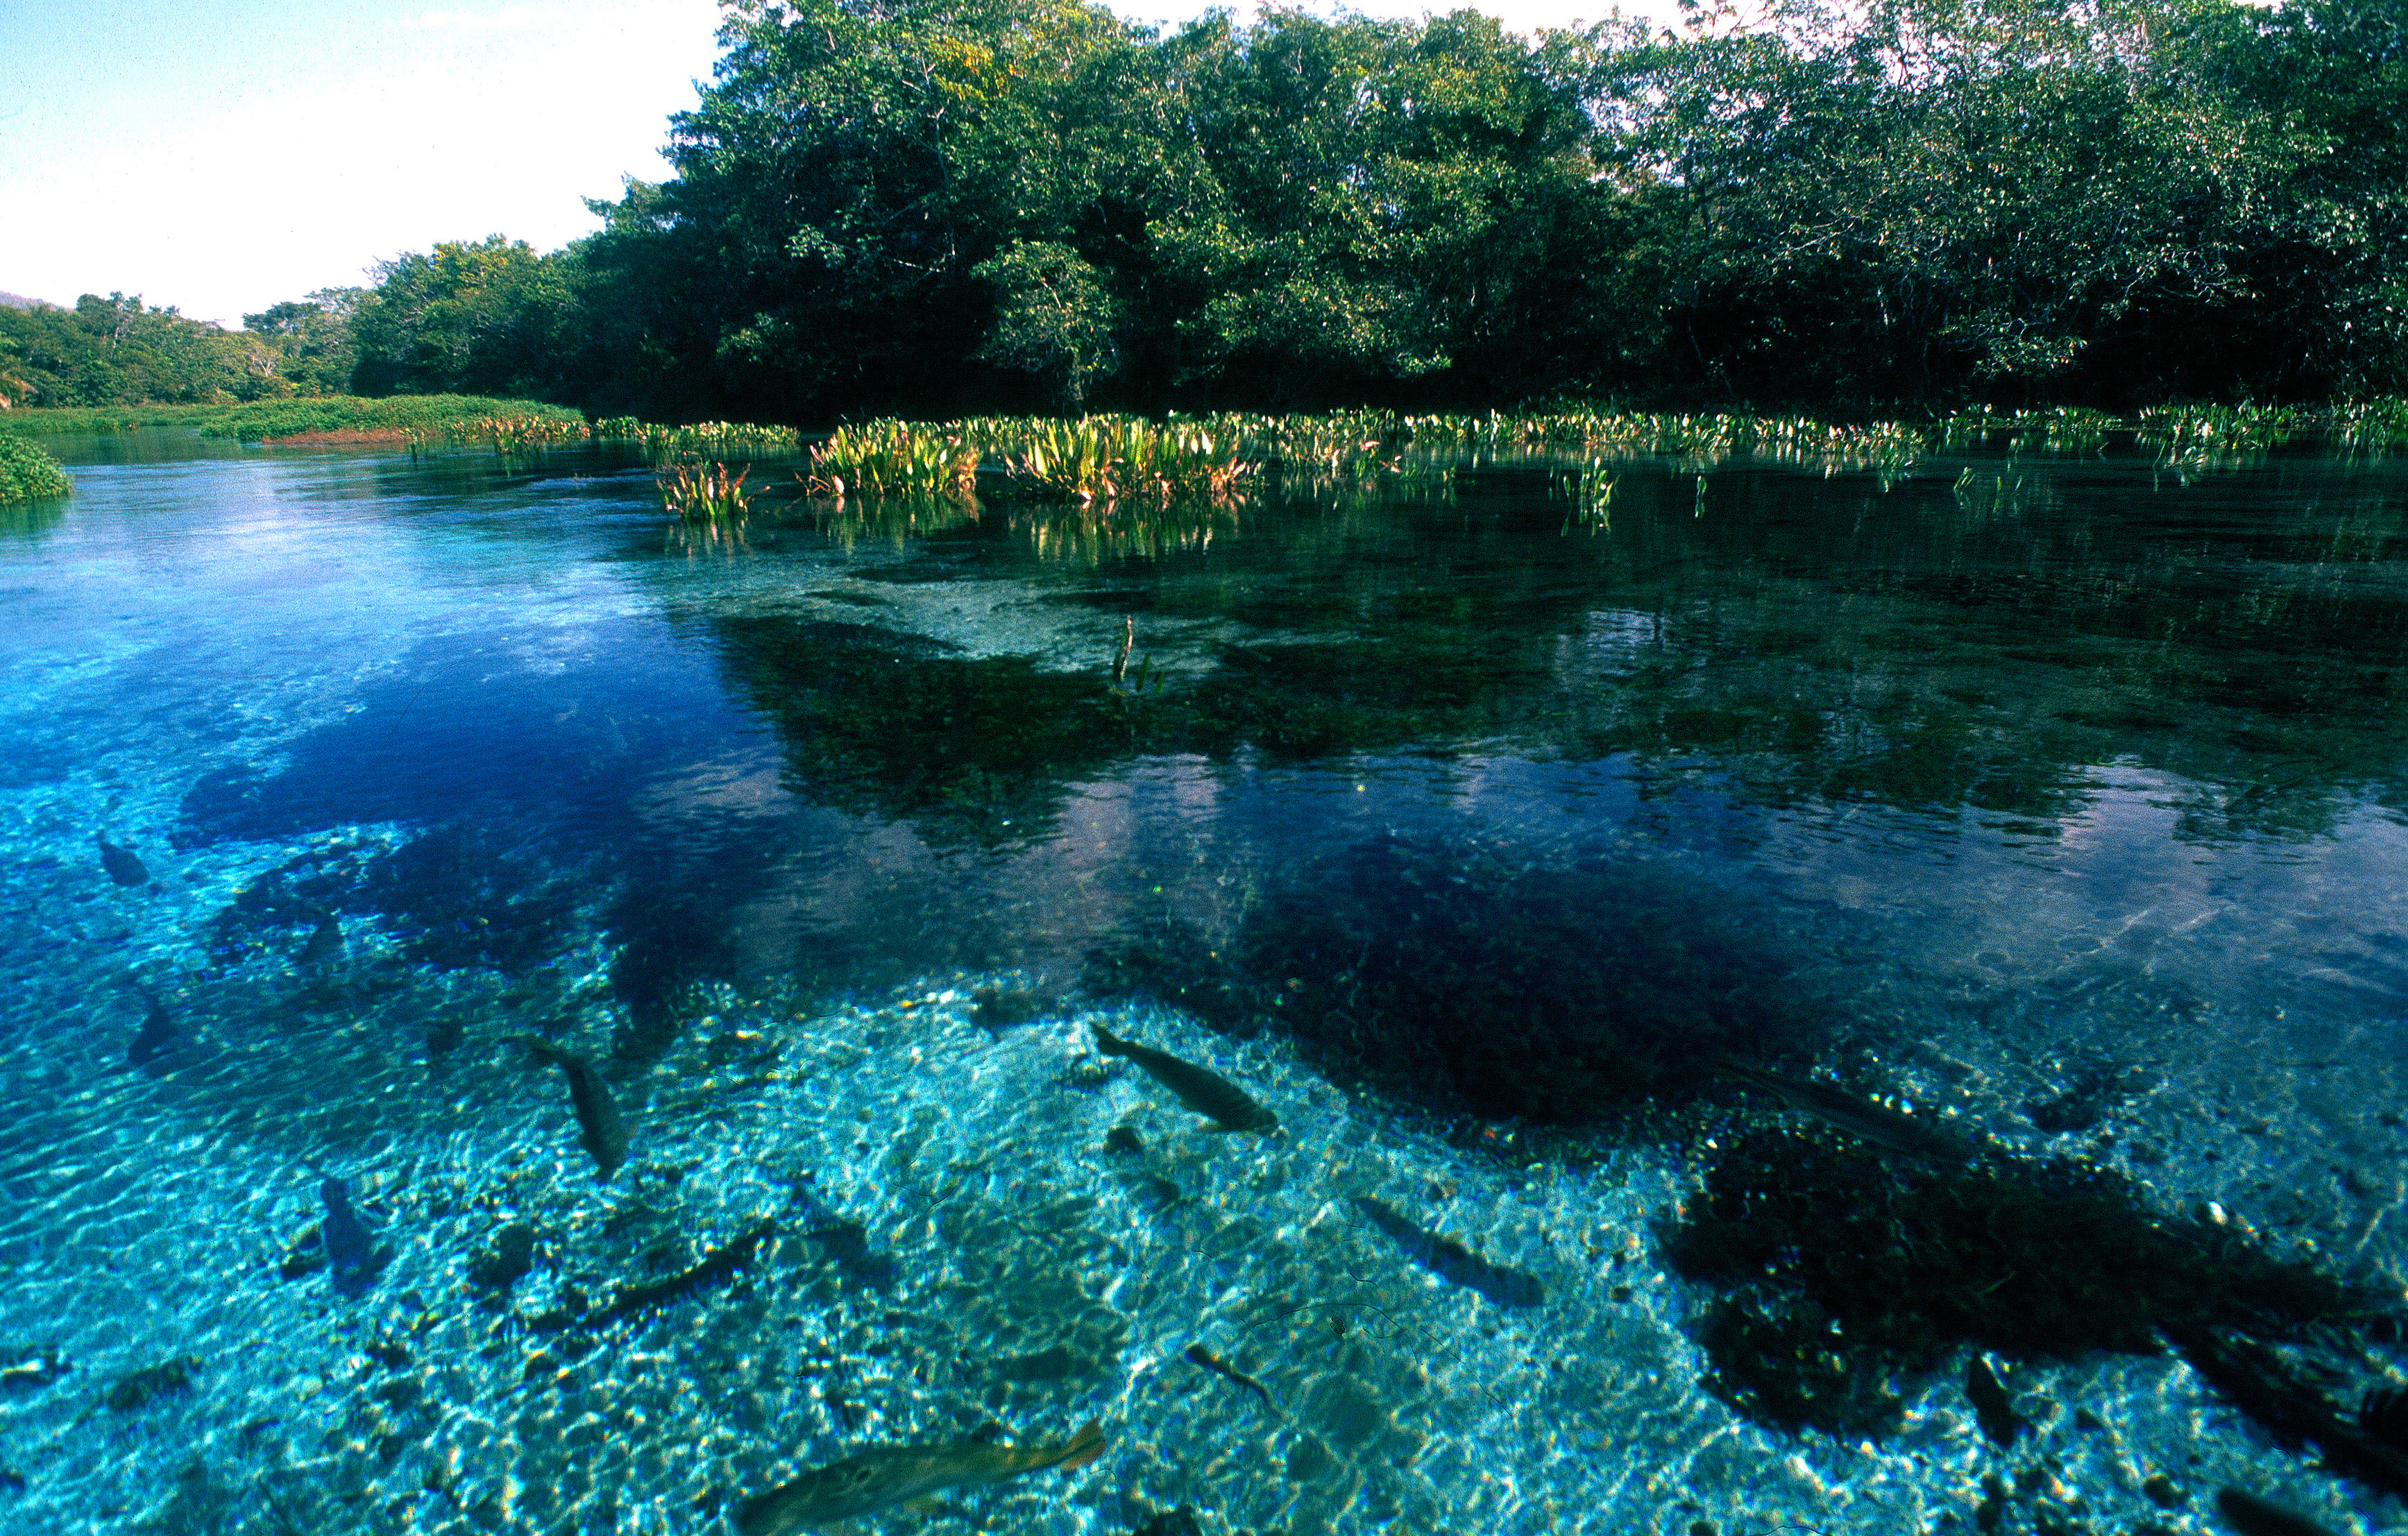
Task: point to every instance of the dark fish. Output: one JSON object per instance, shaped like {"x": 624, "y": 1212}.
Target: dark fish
{"x": 874, "y": 1480}
{"x": 1198, "y": 1354}
{"x": 1452, "y": 1261}
{"x": 1862, "y": 1117}
{"x": 156, "y": 1036}
{"x": 2254, "y": 1516}
{"x": 325, "y": 941}
{"x": 349, "y": 1249}
{"x": 598, "y": 1125}
{"x": 122, "y": 864}
{"x": 1206, "y": 1093}
{"x": 1992, "y": 1407}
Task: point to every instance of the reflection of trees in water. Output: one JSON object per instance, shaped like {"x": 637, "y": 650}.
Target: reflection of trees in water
{"x": 1803, "y": 640}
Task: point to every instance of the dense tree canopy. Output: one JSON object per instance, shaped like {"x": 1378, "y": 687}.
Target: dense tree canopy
{"x": 117, "y": 351}
{"x": 930, "y": 207}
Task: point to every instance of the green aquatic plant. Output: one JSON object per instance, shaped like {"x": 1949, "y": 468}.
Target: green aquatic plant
{"x": 1106, "y": 458}
{"x": 1590, "y": 488}
{"x": 889, "y": 458}
{"x": 699, "y": 439}
{"x": 2213, "y": 439}
{"x": 457, "y": 418}
{"x": 2063, "y": 429}
{"x": 28, "y": 473}
{"x": 516, "y": 433}
{"x": 693, "y": 493}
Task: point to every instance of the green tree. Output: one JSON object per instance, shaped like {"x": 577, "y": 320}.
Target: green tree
{"x": 487, "y": 317}
{"x": 312, "y": 339}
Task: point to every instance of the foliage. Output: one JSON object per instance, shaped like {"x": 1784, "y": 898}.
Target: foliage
{"x": 313, "y": 338}
{"x": 463, "y": 417}
{"x": 893, "y": 458}
{"x": 695, "y": 493}
{"x": 119, "y": 351}
{"x": 489, "y": 316}
{"x": 699, "y": 440}
{"x": 27, "y": 472}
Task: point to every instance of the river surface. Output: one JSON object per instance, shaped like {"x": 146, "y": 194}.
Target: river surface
{"x": 2053, "y": 804}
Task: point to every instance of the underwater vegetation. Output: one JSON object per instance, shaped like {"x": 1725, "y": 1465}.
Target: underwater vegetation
{"x": 1837, "y": 1269}
{"x": 1456, "y": 976}
{"x": 27, "y": 472}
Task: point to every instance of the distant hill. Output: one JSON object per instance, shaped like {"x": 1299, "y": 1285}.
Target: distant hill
{"x": 19, "y": 301}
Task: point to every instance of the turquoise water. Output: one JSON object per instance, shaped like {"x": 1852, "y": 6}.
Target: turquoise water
{"x": 2064, "y": 809}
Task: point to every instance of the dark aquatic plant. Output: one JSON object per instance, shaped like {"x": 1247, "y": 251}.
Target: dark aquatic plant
{"x": 1837, "y": 1269}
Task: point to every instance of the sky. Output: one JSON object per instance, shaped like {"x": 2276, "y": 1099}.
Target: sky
{"x": 222, "y": 155}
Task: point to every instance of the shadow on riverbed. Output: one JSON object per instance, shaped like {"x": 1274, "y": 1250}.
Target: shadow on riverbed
{"x": 1451, "y": 975}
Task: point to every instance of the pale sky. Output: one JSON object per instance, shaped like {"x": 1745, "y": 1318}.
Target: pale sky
{"x": 220, "y": 155}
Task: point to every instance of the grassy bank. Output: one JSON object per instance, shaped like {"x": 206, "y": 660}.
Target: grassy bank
{"x": 332, "y": 419}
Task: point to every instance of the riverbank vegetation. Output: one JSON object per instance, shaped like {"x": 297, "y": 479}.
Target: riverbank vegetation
{"x": 938, "y": 209}
{"x": 26, "y": 473}
{"x": 340, "y": 419}
{"x": 945, "y": 208}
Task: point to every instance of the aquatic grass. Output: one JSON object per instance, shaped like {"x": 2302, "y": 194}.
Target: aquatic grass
{"x": 507, "y": 433}
{"x": 700, "y": 440}
{"x": 1590, "y": 488}
{"x": 2376, "y": 424}
{"x": 27, "y": 472}
{"x": 2063, "y": 429}
{"x": 889, "y": 458}
{"x": 459, "y": 417}
{"x": 2195, "y": 439}
{"x": 693, "y": 493}
{"x": 1106, "y": 458}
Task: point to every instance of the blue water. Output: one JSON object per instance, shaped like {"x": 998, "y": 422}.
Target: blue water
{"x": 1462, "y": 836}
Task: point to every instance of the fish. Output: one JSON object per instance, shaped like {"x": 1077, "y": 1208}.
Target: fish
{"x": 1452, "y": 1261}
{"x": 325, "y": 941}
{"x": 1198, "y": 1355}
{"x": 2251, "y": 1516}
{"x": 1992, "y": 1407}
{"x": 157, "y": 1035}
{"x": 598, "y": 1125}
{"x": 349, "y": 1248}
{"x": 894, "y": 1474}
{"x": 122, "y": 865}
{"x": 1208, "y": 1094}
{"x": 1860, "y": 1117}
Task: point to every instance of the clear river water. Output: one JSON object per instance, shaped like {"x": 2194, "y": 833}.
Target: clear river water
{"x": 1834, "y": 1002}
